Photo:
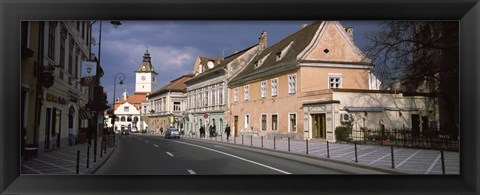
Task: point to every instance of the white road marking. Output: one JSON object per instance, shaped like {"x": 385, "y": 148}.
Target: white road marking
{"x": 54, "y": 165}
{"x": 37, "y": 171}
{"x": 237, "y": 157}
{"x": 411, "y": 156}
{"x": 433, "y": 164}
{"x": 155, "y": 145}
{"x": 191, "y": 172}
{"x": 383, "y": 157}
{"x": 170, "y": 154}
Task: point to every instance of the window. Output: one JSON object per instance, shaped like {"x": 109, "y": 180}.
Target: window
{"x": 63, "y": 37}
{"x": 292, "y": 82}
{"x": 274, "y": 87}
{"x": 274, "y": 122}
{"x": 247, "y": 121}
{"x": 292, "y": 122}
{"x": 176, "y": 106}
{"x": 129, "y": 119}
{"x": 51, "y": 40}
{"x": 144, "y": 109}
{"x": 334, "y": 81}
{"x": 220, "y": 95}
{"x": 164, "y": 104}
{"x": 246, "y": 92}
{"x": 206, "y": 98}
{"x": 264, "y": 122}
{"x": 70, "y": 57}
{"x": 214, "y": 93}
{"x": 263, "y": 89}
{"x": 125, "y": 109}
{"x": 159, "y": 105}
{"x": 235, "y": 94}
{"x": 278, "y": 56}
{"x": 122, "y": 119}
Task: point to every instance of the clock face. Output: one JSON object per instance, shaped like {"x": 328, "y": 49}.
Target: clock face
{"x": 143, "y": 68}
{"x": 143, "y": 78}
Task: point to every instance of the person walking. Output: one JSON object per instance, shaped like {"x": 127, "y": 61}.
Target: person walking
{"x": 227, "y": 131}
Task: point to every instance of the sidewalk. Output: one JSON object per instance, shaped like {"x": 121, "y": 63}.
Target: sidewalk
{"x": 406, "y": 160}
{"x": 63, "y": 161}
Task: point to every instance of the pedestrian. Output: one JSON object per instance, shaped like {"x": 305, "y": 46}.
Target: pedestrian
{"x": 227, "y": 131}
{"x": 161, "y": 130}
{"x": 202, "y": 131}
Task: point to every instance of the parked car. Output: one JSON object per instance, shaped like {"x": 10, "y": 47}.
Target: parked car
{"x": 172, "y": 133}
{"x": 125, "y": 132}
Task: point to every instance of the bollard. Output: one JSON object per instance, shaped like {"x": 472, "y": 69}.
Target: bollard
{"x": 88, "y": 156}
{"x": 242, "y": 139}
{"x": 274, "y": 142}
{"x": 262, "y": 141}
{"x": 289, "y": 144}
{"x": 328, "y": 150}
{"x": 78, "y": 161}
{"x": 356, "y": 160}
{"x": 251, "y": 140}
{"x": 443, "y": 162}
{"x": 393, "y": 158}
{"x": 306, "y": 141}
{"x": 101, "y": 148}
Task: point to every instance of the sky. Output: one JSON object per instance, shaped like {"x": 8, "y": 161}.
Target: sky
{"x": 174, "y": 45}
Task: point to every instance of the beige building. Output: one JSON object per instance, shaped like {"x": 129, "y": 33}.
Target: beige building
{"x": 164, "y": 108}
{"x": 268, "y": 96}
{"x": 52, "y": 53}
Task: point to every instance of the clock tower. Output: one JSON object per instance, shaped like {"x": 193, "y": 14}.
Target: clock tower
{"x": 145, "y": 76}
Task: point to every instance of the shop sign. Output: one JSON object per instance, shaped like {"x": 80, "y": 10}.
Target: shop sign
{"x": 56, "y": 99}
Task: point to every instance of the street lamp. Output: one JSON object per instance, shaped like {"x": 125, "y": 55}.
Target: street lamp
{"x": 97, "y": 85}
{"x": 121, "y": 78}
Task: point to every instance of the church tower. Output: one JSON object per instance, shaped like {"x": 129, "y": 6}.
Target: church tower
{"x": 145, "y": 75}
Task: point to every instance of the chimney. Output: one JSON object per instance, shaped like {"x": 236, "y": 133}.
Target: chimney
{"x": 349, "y": 31}
{"x": 262, "y": 40}
{"x": 125, "y": 95}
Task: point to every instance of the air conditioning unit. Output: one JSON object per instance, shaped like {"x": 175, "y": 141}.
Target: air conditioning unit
{"x": 345, "y": 117}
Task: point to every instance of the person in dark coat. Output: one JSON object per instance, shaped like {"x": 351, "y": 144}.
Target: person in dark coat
{"x": 202, "y": 131}
{"x": 227, "y": 131}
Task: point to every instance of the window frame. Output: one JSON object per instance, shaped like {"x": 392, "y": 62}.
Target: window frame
{"x": 292, "y": 88}
{"x": 274, "y": 87}
{"x": 261, "y": 122}
{"x": 276, "y": 122}
{"x": 263, "y": 89}
{"x": 247, "y": 122}
{"x": 246, "y": 92}
{"x": 235, "y": 94}
{"x": 289, "y": 122}
{"x": 335, "y": 75}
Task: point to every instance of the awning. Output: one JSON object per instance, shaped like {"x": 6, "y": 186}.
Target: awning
{"x": 364, "y": 109}
{"x": 84, "y": 114}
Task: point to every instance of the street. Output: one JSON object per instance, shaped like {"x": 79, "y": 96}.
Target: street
{"x": 138, "y": 154}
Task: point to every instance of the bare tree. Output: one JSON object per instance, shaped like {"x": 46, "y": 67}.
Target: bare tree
{"x": 423, "y": 56}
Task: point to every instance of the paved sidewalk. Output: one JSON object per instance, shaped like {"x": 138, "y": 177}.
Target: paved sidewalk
{"x": 63, "y": 161}
{"x": 406, "y": 160}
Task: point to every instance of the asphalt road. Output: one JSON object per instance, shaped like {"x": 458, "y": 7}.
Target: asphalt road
{"x": 138, "y": 154}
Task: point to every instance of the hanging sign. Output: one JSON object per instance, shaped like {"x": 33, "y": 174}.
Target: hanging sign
{"x": 89, "y": 73}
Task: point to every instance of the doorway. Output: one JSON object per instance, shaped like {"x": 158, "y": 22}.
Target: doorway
{"x": 318, "y": 126}
{"x": 235, "y": 126}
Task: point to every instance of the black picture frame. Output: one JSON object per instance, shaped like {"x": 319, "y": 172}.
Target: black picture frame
{"x": 465, "y": 11}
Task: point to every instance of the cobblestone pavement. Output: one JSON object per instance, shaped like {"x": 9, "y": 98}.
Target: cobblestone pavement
{"x": 63, "y": 161}
{"x": 406, "y": 160}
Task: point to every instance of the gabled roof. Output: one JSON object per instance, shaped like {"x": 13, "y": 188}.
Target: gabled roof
{"x": 177, "y": 85}
{"x": 219, "y": 67}
{"x": 290, "y": 48}
{"x": 136, "y": 99}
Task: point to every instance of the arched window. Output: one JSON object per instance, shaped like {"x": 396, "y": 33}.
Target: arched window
{"x": 122, "y": 119}
{"x": 135, "y": 118}
{"x": 71, "y": 114}
{"x": 129, "y": 119}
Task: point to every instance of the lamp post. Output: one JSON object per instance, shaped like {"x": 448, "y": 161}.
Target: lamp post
{"x": 95, "y": 96}
{"x": 121, "y": 78}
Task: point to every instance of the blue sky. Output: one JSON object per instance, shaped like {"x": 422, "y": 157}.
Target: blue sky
{"x": 174, "y": 45}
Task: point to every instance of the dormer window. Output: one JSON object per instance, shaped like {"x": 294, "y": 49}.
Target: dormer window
{"x": 279, "y": 55}
{"x": 260, "y": 61}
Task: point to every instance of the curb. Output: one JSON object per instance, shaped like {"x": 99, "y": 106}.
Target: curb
{"x": 307, "y": 156}
{"x": 95, "y": 169}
